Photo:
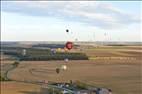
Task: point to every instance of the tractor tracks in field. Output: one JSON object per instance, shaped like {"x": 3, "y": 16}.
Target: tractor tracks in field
{"x": 37, "y": 72}
{"x": 35, "y": 82}
{"x": 7, "y": 72}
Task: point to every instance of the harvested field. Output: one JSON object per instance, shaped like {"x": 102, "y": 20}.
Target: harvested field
{"x": 118, "y": 69}
{"x": 112, "y": 75}
{"x": 19, "y": 88}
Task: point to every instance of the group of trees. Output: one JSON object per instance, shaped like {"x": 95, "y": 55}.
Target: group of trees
{"x": 44, "y": 54}
{"x": 57, "y": 56}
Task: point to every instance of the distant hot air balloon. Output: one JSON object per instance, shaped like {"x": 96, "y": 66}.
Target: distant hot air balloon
{"x": 53, "y": 51}
{"x": 67, "y": 30}
{"x": 57, "y": 70}
{"x": 66, "y": 59}
{"x": 24, "y": 52}
{"x": 69, "y": 45}
{"x": 64, "y": 67}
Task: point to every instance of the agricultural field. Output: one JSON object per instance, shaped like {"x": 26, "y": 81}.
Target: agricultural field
{"x": 118, "y": 68}
{"x": 19, "y": 88}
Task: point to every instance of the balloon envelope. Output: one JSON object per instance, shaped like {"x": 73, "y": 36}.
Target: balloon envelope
{"x": 66, "y": 60}
{"x": 57, "y": 70}
{"x": 63, "y": 67}
{"x": 69, "y": 45}
{"x": 67, "y": 30}
{"x": 53, "y": 51}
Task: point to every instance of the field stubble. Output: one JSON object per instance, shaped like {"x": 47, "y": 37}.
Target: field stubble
{"x": 123, "y": 76}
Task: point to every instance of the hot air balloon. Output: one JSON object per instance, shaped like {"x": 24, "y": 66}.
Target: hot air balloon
{"x": 24, "y": 52}
{"x": 57, "y": 70}
{"x": 53, "y": 51}
{"x": 67, "y": 30}
{"x": 66, "y": 59}
{"x": 69, "y": 45}
{"x": 64, "y": 67}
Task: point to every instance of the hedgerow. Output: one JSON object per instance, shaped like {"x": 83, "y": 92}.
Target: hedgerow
{"x": 44, "y": 54}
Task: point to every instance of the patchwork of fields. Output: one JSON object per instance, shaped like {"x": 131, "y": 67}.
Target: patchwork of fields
{"x": 118, "y": 68}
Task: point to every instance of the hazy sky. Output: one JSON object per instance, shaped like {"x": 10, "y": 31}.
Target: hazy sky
{"x": 86, "y": 20}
